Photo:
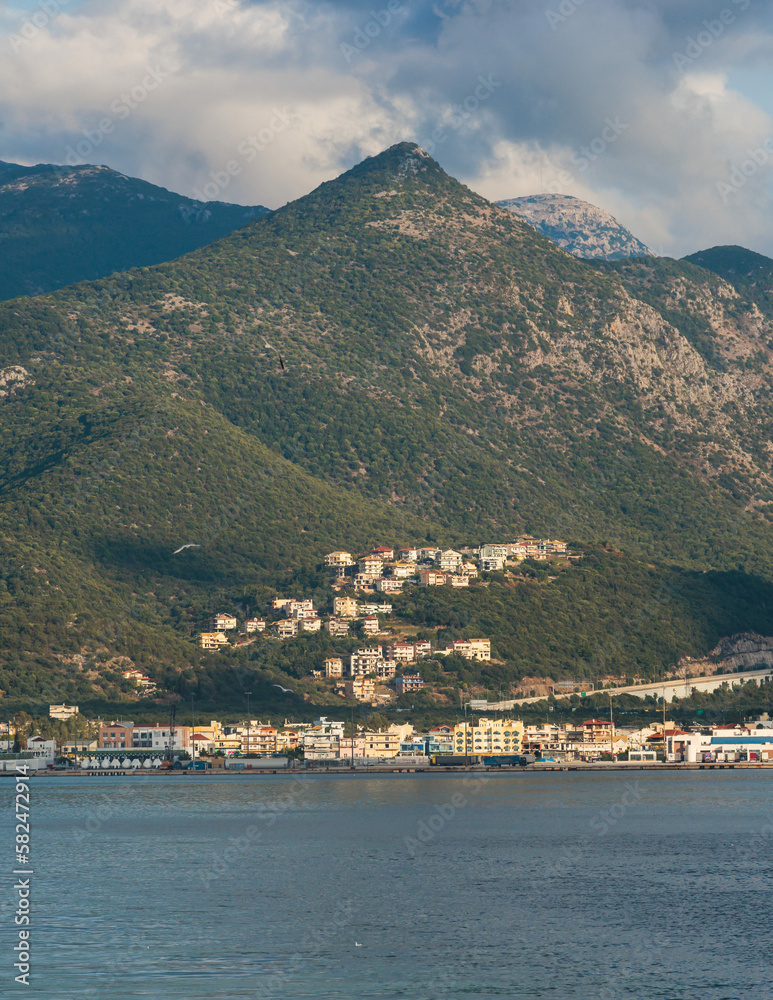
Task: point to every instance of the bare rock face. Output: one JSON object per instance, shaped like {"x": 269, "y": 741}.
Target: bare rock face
{"x": 578, "y": 227}
{"x": 742, "y": 651}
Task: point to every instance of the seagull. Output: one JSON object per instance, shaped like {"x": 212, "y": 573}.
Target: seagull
{"x": 286, "y": 690}
{"x": 191, "y": 545}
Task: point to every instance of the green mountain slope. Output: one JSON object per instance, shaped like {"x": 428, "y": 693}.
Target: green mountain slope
{"x": 751, "y": 273}
{"x": 422, "y": 363}
{"x": 59, "y": 225}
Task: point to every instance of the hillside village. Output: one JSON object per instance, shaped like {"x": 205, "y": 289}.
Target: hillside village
{"x": 359, "y": 583}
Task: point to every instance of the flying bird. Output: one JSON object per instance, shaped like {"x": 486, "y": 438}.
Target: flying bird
{"x": 272, "y": 348}
{"x": 285, "y": 690}
{"x": 189, "y": 546}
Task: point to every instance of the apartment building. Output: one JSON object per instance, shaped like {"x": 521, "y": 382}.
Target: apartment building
{"x": 489, "y": 736}
{"x": 402, "y": 652}
{"x": 407, "y": 683}
{"x": 361, "y": 688}
{"x": 337, "y": 626}
{"x": 116, "y": 736}
{"x": 363, "y": 661}
{"x": 370, "y": 567}
{"x": 62, "y": 712}
{"x": 345, "y": 607}
{"x": 285, "y": 628}
{"x": 339, "y": 560}
{"x": 371, "y": 625}
{"x": 212, "y": 640}
{"x": 374, "y": 609}
{"x": 334, "y": 667}
{"x": 449, "y": 561}
{"x": 258, "y": 741}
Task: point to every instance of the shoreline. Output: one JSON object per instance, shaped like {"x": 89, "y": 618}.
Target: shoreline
{"x": 342, "y": 772}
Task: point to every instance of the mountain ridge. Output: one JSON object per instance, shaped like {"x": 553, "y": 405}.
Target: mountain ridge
{"x": 60, "y": 225}
{"x": 446, "y": 371}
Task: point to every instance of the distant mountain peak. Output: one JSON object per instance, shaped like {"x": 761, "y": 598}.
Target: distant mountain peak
{"x": 397, "y": 163}
{"x": 732, "y": 261}
{"x": 63, "y": 224}
{"x": 582, "y": 229}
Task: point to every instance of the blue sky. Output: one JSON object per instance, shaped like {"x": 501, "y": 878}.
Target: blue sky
{"x": 657, "y": 110}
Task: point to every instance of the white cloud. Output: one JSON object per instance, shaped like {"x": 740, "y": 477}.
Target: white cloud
{"x": 233, "y": 71}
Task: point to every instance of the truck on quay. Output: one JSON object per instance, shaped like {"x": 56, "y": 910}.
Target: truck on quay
{"x": 488, "y": 760}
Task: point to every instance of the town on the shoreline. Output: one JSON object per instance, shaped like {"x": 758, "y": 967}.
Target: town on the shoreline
{"x": 253, "y": 743}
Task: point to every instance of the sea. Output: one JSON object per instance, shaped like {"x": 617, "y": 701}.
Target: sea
{"x": 560, "y": 885}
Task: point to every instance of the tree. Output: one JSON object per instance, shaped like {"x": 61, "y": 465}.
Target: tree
{"x": 378, "y": 723}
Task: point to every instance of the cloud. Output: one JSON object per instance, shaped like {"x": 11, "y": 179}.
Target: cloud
{"x": 293, "y": 92}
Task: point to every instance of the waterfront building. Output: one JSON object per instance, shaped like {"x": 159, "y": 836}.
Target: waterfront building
{"x": 489, "y": 736}
{"x": 116, "y": 736}
{"x": 42, "y": 749}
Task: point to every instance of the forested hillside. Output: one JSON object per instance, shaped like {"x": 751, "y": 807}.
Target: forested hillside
{"x": 391, "y": 358}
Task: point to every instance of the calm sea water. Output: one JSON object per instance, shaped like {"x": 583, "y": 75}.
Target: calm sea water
{"x": 424, "y": 887}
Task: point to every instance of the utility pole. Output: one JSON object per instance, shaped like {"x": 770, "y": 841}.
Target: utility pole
{"x": 248, "y": 693}
{"x": 665, "y": 754}
{"x": 352, "y": 735}
{"x": 75, "y": 747}
{"x": 466, "y": 736}
{"x": 611, "y": 730}
{"x": 193, "y": 729}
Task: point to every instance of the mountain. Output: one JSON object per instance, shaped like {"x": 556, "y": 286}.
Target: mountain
{"x": 576, "y": 226}
{"x": 749, "y": 272}
{"x": 59, "y": 225}
{"x": 447, "y": 374}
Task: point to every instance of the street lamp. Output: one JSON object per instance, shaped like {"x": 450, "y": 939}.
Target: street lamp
{"x": 248, "y": 693}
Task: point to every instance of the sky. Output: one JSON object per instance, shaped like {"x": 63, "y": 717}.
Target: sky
{"x": 659, "y": 111}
